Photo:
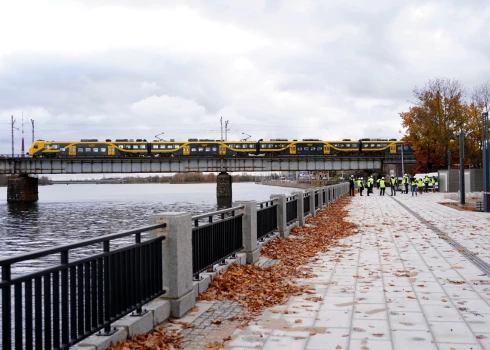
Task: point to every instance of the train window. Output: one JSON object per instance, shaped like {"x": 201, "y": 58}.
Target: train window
{"x": 46, "y": 146}
{"x": 55, "y": 146}
{"x": 208, "y": 149}
{"x": 80, "y": 150}
{"x": 96, "y": 150}
{"x": 135, "y": 146}
{"x": 193, "y": 149}
{"x": 142, "y": 146}
{"x": 251, "y": 146}
{"x": 319, "y": 148}
{"x": 62, "y": 149}
{"x": 120, "y": 146}
{"x": 88, "y": 149}
{"x": 307, "y": 148}
{"x": 300, "y": 148}
{"x": 200, "y": 149}
{"x": 176, "y": 146}
{"x": 127, "y": 146}
{"x": 103, "y": 150}
{"x": 355, "y": 145}
{"x": 155, "y": 146}
{"x": 215, "y": 149}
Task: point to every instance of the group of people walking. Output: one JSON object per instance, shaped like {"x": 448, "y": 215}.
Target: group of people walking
{"x": 419, "y": 185}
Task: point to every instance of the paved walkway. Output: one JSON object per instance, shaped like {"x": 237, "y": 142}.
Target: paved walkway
{"x": 408, "y": 279}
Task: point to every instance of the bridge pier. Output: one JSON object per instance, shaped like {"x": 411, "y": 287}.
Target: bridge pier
{"x": 224, "y": 190}
{"x": 22, "y": 188}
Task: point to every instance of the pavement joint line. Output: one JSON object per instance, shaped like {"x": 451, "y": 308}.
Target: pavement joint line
{"x": 438, "y": 232}
{"x": 475, "y": 260}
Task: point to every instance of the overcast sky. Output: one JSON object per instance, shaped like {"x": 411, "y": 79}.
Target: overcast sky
{"x": 273, "y": 69}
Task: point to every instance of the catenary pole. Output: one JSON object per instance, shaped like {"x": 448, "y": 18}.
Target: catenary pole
{"x": 461, "y": 169}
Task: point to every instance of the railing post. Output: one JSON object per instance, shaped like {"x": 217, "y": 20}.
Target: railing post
{"x": 312, "y": 202}
{"x": 282, "y": 225}
{"x": 249, "y": 228}
{"x": 176, "y": 260}
{"x": 324, "y": 195}
{"x": 301, "y": 208}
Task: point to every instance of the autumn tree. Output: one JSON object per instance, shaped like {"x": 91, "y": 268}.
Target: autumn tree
{"x": 433, "y": 122}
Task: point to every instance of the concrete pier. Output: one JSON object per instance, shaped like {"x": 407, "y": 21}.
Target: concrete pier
{"x": 22, "y": 188}
{"x": 224, "y": 190}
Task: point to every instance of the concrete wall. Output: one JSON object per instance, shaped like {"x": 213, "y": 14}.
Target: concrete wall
{"x": 449, "y": 180}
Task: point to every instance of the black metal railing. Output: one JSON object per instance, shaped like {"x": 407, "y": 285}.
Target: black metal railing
{"x": 316, "y": 200}
{"x": 291, "y": 209}
{"x": 216, "y": 239}
{"x": 324, "y": 196}
{"x": 63, "y": 304}
{"x": 266, "y": 218}
{"x": 306, "y": 203}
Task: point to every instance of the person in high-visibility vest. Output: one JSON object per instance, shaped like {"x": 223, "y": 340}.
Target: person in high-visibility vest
{"x": 369, "y": 186}
{"x": 414, "y": 186}
{"x": 393, "y": 186}
{"x": 360, "y": 184}
{"x": 420, "y": 185}
{"x": 426, "y": 183}
{"x": 433, "y": 184}
{"x": 406, "y": 181}
{"x": 382, "y": 186}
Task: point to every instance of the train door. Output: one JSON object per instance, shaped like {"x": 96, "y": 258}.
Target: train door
{"x": 111, "y": 151}
{"x": 72, "y": 151}
{"x": 222, "y": 150}
{"x": 187, "y": 150}
{"x": 292, "y": 149}
{"x": 326, "y": 149}
{"x": 393, "y": 148}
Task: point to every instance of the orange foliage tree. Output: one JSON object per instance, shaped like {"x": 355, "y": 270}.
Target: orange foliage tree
{"x": 435, "y": 120}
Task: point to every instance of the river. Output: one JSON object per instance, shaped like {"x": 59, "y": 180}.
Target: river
{"x": 68, "y": 213}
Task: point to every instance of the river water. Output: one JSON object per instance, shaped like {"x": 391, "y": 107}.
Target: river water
{"x": 69, "y": 213}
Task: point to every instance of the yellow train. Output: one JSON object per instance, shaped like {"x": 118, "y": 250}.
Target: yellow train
{"x": 94, "y": 148}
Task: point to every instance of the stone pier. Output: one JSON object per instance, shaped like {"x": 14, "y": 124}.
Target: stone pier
{"x": 22, "y": 188}
{"x": 224, "y": 190}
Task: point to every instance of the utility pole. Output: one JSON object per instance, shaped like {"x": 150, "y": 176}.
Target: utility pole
{"x": 32, "y": 122}
{"x": 226, "y": 130}
{"x": 486, "y": 182}
{"x": 461, "y": 169}
{"x": 12, "y": 127}
{"x": 22, "y": 145}
{"x": 221, "y": 122}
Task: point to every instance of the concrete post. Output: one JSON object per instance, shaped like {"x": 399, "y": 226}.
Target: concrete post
{"x": 312, "y": 202}
{"x": 177, "y": 260}
{"x": 282, "y": 224}
{"x": 249, "y": 227}
{"x": 22, "y": 188}
{"x": 325, "y": 193}
{"x": 224, "y": 190}
{"x": 301, "y": 208}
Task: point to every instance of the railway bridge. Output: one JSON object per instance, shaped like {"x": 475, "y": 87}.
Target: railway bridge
{"x": 23, "y": 187}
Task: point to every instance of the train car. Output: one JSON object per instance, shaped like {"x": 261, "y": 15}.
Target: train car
{"x": 89, "y": 148}
{"x": 191, "y": 147}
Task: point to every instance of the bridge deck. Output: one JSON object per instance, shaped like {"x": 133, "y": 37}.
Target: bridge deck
{"x": 186, "y": 164}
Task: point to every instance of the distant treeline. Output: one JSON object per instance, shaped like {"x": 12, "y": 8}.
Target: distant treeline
{"x": 175, "y": 179}
{"x": 185, "y": 178}
{"x": 43, "y": 180}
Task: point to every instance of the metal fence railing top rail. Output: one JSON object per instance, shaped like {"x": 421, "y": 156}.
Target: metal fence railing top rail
{"x": 214, "y": 216}
{"x": 87, "y": 242}
{"x": 58, "y": 306}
